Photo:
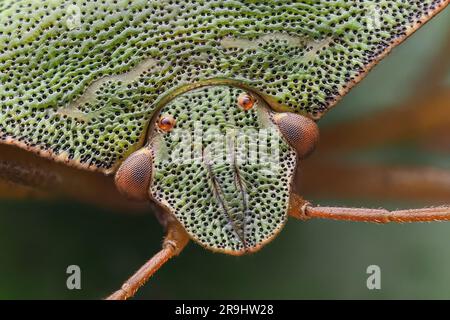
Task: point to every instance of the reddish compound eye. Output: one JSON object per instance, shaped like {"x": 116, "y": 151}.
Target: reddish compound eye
{"x": 246, "y": 101}
{"x": 135, "y": 175}
{"x": 300, "y": 132}
{"x": 166, "y": 123}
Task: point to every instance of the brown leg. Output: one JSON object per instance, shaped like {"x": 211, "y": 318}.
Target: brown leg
{"x": 29, "y": 172}
{"x": 10, "y": 190}
{"x": 303, "y": 210}
{"x": 412, "y": 119}
{"x": 373, "y": 181}
{"x": 173, "y": 244}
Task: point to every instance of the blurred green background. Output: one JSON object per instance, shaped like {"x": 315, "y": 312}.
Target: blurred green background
{"x": 312, "y": 260}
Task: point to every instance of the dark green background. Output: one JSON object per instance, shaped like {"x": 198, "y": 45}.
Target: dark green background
{"x": 317, "y": 259}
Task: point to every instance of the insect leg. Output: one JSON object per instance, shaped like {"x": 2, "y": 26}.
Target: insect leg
{"x": 175, "y": 241}
{"x": 373, "y": 181}
{"x": 306, "y": 211}
{"x": 410, "y": 120}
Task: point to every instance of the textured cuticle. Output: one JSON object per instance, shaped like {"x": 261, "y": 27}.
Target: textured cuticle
{"x": 225, "y": 201}
{"x": 134, "y": 176}
{"x": 81, "y": 89}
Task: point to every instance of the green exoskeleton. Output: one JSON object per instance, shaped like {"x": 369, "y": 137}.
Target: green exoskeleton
{"x": 223, "y": 169}
{"x": 205, "y": 108}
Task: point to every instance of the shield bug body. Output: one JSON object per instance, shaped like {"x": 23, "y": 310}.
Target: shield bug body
{"x": 205, "y": 108}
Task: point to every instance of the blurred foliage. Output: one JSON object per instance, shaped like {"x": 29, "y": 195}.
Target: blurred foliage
{"x": 317, "y": 259}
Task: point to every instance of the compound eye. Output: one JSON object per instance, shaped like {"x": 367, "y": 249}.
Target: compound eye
{"x": 135, "y": 174}
{"x": 166, "y": 122}
{"x": 246, "y": 101}
{"x": 300, "y": 132}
